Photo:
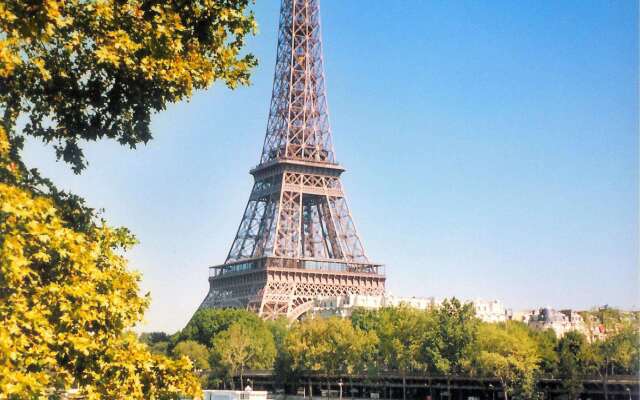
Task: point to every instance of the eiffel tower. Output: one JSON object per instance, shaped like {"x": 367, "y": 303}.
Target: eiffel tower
{"x": 297, "y": 240}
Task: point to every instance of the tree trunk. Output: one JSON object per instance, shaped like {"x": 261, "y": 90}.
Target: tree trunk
{"x": 606, "y": 381}
{"x": 404, "y": 387}
{"x": 504, "y": 389}
{"x": 350, "y": 387}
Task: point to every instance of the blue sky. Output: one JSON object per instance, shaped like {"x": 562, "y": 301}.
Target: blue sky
{"x": 491, "y": 151}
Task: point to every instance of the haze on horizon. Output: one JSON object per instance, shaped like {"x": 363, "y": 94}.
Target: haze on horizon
{"x": 491, "y": 152}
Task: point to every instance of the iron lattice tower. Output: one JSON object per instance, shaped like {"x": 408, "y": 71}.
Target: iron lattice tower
{"x": 297, "y": 240}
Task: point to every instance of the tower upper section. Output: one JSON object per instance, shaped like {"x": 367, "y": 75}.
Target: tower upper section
{"x": 298, "y": 127}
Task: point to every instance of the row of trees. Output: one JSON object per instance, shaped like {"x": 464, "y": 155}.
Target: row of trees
{"x": 448, "y": 340}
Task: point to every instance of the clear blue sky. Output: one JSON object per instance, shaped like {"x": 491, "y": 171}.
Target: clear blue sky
{"x": 491, "y": 151}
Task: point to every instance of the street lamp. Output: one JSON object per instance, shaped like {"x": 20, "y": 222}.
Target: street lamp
{"x": 493, "y": 392}
{"x": 340, "y": 385}
{"x": 628, "y": 392}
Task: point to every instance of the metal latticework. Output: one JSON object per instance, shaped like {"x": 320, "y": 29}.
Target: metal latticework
{"x": 298, "y": 119}
{"x": 297, "y": 239}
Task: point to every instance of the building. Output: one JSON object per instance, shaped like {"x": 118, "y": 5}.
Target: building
{"x": 486, "y": 310}
{"x": 575, "y": 320}
{"x": 490, "y": 310}
{"x": 560, "y": 322}
{"x": 420, "y": 303}
{"x": 343, "y": 306}
{"x": 523, "y": 316}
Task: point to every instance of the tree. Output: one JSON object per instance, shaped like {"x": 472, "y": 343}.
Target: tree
{"x": 508, "y": 352}
{"x": 157, "y": 342}
{"x": 160, "y": 348}
{"x": 82, "y": 71}
{"x": 67, "y": 300}
{"x": 625, "y": 352}
{"x": 365, "y": 319}
{"x": 244, "y": 345}
{"x": 150, "y": 338}
{"x": 282, "y": 365}
{"x": 197, "y": 353}
{"x": 572, "y": 362}
{"x": 449, "y": 349}
{"x": 401, "y": 331}
{"x": 457, "y": 326}
{"x": 546, "y": 342}
{"x": 330, "y": 346}
{"x": 207, "y": 323}
{"x": 618, "y": 353}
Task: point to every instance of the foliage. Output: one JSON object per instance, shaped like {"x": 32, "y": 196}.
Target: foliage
{"x": 401, "y": 331}
{"x": 160, "y": 348}
{"x": 440, "y": 341}
{"x": 617, "y": 354}
{"x": 85, "y": 70}
{"x": 151, "y": 338}
{"x": 611, "y": 318}
{"x": 329, "y": 345}
{"x": 67, "y": 299}
{"x": 572, "y": 362}
{"x": 546, "y": 342}
{"x": 278, "y": 329}
{"x": 282, "y": 364}
{"x": 81, "y": 71}
{"x": 365, "y": 319}
{"x": 622, "y": 351}
{"x": 451, "y": 348}
{"x": 207, "y": 323}
{"x": 508, "y": 352}
{"x": 243, "y": 345}
{"x": 405, "y": 340}
{"x": 197, "y": 353}
{"x": 157, "y": 342}
{"x": 128, "y": 370}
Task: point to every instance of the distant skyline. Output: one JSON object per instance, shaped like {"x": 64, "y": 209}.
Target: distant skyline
{"x": 491, "y": 152}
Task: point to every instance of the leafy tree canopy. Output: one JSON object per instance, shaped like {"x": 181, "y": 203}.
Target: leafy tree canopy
{"x": 573, "y": 357}
{"x": 197, "y": 353}
{"x": 282, "y": 365}
{"x": 79, "y": 71}
{"x": 67, "y": 301}
{"x": 153, "y": 337}
{"x": 160, "y": 348}
{"x": 329, "y": 345}
{"x": 207, "y": 323}
{"x": 546, "y": 342}
{"x": 243, "y": 345}
{"x": 508, "y": 352}
{"x": 453, "y": 342}
{"x": 365, "y": 319}
{"x": 618, "y": 353}
{"x": 85, "y": 70}
{"x": 401, "y": 331}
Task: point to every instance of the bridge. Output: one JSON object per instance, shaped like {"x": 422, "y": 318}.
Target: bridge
{"x": 390, "y": 386}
